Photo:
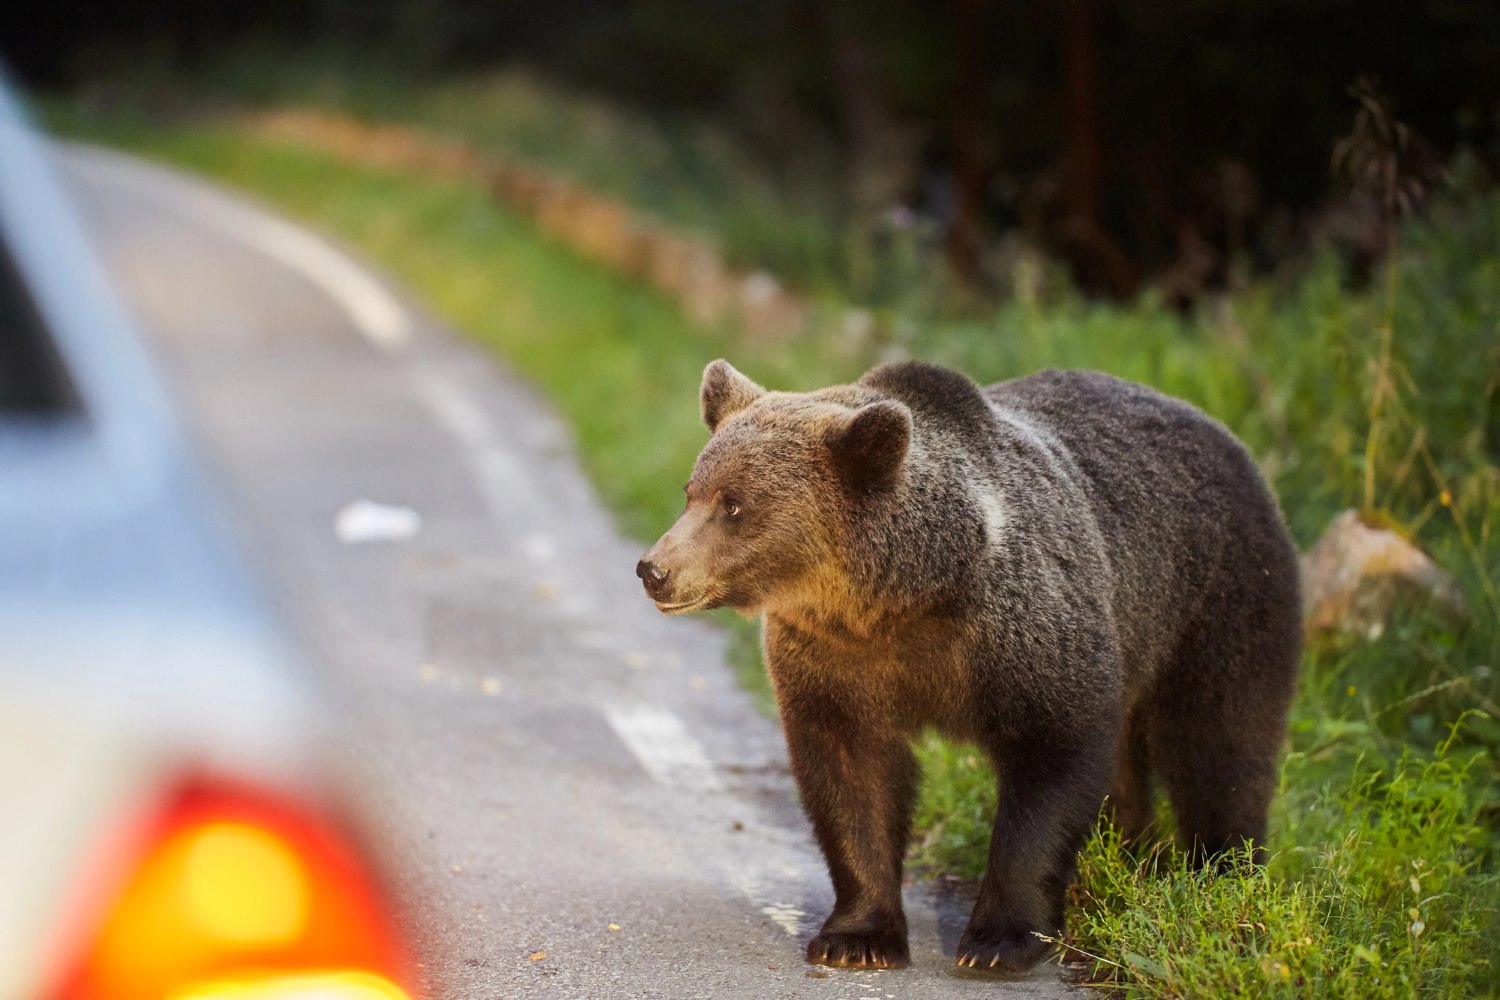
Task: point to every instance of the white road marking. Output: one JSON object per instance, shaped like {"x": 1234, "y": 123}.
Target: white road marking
{"x": 370, "y": 306}
{"x": 664, "y": 747}
{"x": 502, "y": 480}
{"x": 759, "y": 882}
{"x": 539, "y": 547}
{"x": 455, "y": 410}
{"x": 507, "y": 487}
{"x": 785, "y": 916}
{"x": 671, "y": 755}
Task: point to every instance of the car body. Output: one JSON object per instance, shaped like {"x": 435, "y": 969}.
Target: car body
{"x": 177, "y": 821}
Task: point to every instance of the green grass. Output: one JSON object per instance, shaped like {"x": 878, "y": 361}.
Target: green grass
{"x": 1388, "y": 802}
{"x": 1389, "y": 900}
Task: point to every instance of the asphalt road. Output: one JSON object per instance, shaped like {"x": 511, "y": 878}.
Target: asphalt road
{"x": 579, "y": 802}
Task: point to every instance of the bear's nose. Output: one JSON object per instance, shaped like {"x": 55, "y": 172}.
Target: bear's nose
{"x": 652, "y": 575}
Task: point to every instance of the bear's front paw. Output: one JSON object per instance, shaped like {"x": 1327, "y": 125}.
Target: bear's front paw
{"x": 854, "y": 950}
{"x": 1000, "y": 951}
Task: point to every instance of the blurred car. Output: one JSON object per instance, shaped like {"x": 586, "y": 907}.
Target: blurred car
{"x": 173, "y": 821}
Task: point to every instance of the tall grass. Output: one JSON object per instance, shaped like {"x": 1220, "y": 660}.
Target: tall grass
{"x": 1383, "y": 881}
{"x": 1393, "y": 895}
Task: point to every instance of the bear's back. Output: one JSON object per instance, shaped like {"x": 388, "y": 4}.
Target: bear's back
{"x": 1146, "y": 458}
{"x": 1177, "y": 499}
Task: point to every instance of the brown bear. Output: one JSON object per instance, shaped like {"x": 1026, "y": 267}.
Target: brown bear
{"x": 1084, "y": 577}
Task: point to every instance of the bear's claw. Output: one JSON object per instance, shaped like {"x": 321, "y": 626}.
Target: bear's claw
{"x": 1014, "y": 951}
{"x": 859, "y": 951}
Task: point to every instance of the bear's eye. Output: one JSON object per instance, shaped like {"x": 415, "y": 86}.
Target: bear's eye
{"x": 731, "y": 506}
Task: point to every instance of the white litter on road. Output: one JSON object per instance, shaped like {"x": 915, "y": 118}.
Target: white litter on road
{"x": 367, "y": 521}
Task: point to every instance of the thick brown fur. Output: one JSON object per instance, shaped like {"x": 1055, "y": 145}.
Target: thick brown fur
{"x": 1086, "y": 578}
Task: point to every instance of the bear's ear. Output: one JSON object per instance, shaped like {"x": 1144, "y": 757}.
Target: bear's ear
{"x": 725, "y": 392}
{"x": 870, "y": 447}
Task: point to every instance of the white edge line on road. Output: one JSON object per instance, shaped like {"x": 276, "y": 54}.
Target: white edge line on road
{"x": 502, "y": 480}
{"x": 370, "y": 306}
{"x": 508, "y": 491}
{"x": 786, "y": 916}
{"x": 664, "y": 747}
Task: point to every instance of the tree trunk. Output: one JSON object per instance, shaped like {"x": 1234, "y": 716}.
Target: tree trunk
{"x": 963, "y": 237}
{"x": 1097, "y": 260}
{"x": 1081, "y": 59}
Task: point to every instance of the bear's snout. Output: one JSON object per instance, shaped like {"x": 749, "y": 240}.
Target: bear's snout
{"x": 653, "y": 577}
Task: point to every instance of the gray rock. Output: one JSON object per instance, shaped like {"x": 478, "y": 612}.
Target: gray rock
{"x": 1358, "y": 577}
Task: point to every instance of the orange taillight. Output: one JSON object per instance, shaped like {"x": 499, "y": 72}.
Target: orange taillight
{"x": 241, "y": 894}
{"x": 323, "y": 986}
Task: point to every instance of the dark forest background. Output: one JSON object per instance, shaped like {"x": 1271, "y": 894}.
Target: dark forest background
{"x": 1182, "y": 143}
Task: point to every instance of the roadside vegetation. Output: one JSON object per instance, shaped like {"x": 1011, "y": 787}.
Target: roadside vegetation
{"x": 688, "y": 172}
{"x": 1384, "y": 880}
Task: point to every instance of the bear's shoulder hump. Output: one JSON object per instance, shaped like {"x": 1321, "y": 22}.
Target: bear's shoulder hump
{"x": 929, "y": 389}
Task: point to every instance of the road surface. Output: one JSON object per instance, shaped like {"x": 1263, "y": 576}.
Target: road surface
{"x": 579, "y": 801}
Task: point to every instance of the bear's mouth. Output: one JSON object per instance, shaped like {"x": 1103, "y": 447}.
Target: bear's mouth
{"x": 686, "y": 607}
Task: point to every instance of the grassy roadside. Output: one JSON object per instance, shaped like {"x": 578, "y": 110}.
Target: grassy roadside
{"x": 691, "y": 173}
{"x": 1384, "y": 882}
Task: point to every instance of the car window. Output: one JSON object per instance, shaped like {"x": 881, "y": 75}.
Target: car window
{"x": 33, "y": 382}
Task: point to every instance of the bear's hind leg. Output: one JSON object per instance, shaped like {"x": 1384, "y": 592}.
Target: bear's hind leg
{"x": 1050, "y": 793}
{"x": 1131, "y": 805}
{"x": 1218, "y": 720}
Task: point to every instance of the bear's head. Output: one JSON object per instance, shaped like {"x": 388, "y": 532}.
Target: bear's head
{"x": 775, "y": 493}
